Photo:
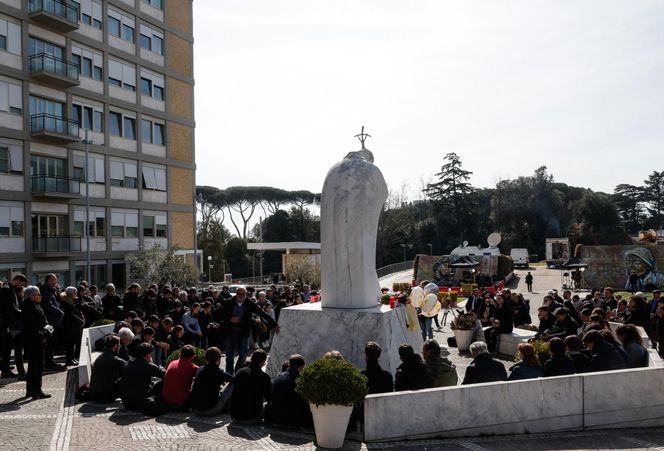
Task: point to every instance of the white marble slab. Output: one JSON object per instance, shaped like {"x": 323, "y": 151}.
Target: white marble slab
{"x": 311, "y": 330}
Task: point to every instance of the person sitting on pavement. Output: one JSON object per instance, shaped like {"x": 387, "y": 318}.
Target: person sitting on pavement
{"x": 637, "y": 354}
{"x": 178, "y": 379}
{"x": 126, "y": 336}
{"x": 483, "y": 368}
{"x": 378, "y": 379}
{"x": 413, "y": 373}
{"x": 441, "y": 369}
{"x": 252, "y": 387}
{"x": 288, "y": 407}
{"x": 192, "y": 328}
{"x": 146, "y": 336}
{"x": 603, "y": 356}
{"x": 136, "y": 388}
{"x": 206, "y": 397}
{"x": 563, "y": 326}
{"x": 560, "y": 364}
{"x": 546, "y": 320}
{"x": 529, "y": 367}
{"x": 573, "y": 348}
{"x": 106, "y": 372}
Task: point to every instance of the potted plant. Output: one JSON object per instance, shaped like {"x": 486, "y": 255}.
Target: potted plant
{"x": 332, "y": 387}
{"x": 199, "y": 357}
{"x": 463, "y": 327}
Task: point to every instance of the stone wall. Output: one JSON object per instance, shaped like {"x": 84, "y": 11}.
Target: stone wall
{"x": 594, "y": 400}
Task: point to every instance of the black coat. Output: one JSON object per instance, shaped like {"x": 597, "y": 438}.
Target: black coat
{"x": 484, "y": 368}
{"x": 606, "y": 357}
{"x": 287, "y": 407}
{"x": 479, "y": 305}
{"x": 504, "y": 315}
{"x": 111, "y": 306}
{"x": 73, "y": 320}
{"x": 559, "y": 366}
{"x": 412, "y": 374}
{"x": 50, "y": 303}
{"x": 207, "y": 383}
{"x": 34, "y": 321}
{"x": 10, "y": 308}
{"x": 136, "y": 381}
{"x": 244, "y": 326}
{"x": 379, "y": 380}
{"x": 131, "y": 302}
{"x": 581, "y": 362}
{"x": 251, "y": 387}
{"x": 106, "y": 372}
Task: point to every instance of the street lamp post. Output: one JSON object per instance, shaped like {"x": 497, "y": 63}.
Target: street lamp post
{"x": 404, "y": 251}
{"x": 198, "y": 199}
{"x": 209, "y": 268}
{"x": 430, "y": 248}
{"x": 87, "y": 143}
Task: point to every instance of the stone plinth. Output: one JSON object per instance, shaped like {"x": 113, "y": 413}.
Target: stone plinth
{"x": 312, "y": 331}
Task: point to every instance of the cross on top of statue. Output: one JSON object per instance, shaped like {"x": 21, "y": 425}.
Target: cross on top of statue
{"x": 362, "y": 137}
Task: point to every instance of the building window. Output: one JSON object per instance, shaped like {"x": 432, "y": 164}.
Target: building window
{"x": 96, "y": 224}
{"x": 90, "y": 63}
{"x": 39, "y": 105}
{"x": 10, "y": 37}
{"x": 91, "y": 13}
{"x": 121, "y": 26}
{"x": 11, "y": 97}
{"x": 124, "y": 174}
{"x": 37, "y": 46}
{"x": 154, "y": 3}
{"x": 152, "y": 132}
{"x": 88, "y": 117}
{"x": 11, "y": 159}
{"x": 124, "y": 223}
{"x": 154, "y": 225}
{"x": 95, "y": 168}
{"x": 11, "y": 220}
{"x": 154, "y": 178}
{"x": 122, "y": 125}
{"x": 41, "y": 165}
{"x": 151, "y": 40}
{"x": 152, "y": 85}
{"x": 122, "y": 75}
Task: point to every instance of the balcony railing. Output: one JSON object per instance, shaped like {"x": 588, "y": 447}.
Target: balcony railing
{"x": 56, "y": 244}
{"x": 56, "y": 13}
{"x": 55, "y": 70}
{"x": 46, "y": 184}
{"x": 53, "y": 128}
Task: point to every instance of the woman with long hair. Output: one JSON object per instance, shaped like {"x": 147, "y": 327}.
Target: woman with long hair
{"x": 529, "y": 367}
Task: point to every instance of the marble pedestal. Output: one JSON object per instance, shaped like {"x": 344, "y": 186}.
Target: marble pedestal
{"x": 310, "y": 330}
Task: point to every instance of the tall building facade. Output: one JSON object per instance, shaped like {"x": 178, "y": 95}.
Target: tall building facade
{"x": 121, "y": 73}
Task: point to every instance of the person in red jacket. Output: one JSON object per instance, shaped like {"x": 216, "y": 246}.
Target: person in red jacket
{"x": 178, "y": 380}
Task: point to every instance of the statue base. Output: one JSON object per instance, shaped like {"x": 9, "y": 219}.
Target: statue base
{"x": 311, "y": 330}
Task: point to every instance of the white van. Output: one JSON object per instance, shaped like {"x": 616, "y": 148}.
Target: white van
{"x": 520, "y": 257}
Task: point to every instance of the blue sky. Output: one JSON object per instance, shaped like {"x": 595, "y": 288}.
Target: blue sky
{"x": 282, "y": 87}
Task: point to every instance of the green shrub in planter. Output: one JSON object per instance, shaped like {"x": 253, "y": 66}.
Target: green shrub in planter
{"x": 102, "y": 322}
{"x": 332, "y": 381}
{"x": 464, "y": 321}
{"x": 199, "y": 357}
{"x": 403, "y": 287}
{"x": 454, "y": 297}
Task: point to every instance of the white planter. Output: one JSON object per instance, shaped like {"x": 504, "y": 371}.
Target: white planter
{"x": 330, "y": 423}
{"x": 463, "y": 338}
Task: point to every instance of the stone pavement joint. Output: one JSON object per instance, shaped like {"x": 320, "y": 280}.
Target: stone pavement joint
{"x": 63, "y": 424}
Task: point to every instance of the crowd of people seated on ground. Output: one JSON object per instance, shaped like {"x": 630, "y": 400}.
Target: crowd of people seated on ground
{"x": 40, "y": 322}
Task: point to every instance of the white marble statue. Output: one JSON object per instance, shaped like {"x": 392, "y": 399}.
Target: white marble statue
{"x": 353, "y": 196}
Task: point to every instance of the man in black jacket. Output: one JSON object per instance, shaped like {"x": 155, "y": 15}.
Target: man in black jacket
{"x": 106, "y": 372}
{"x": 136, "y": 388}
{"x": 55, "y": 316}
{"x": 112, "y": 304}
{"x": 236, "y": 323}
{"x": 287, "y": 407}
{"x": 251, "y": 388}
{"x": 35, "y": 335}
{"x": 564, "y": 326}
{"x": 412, "y": 374}
{"x": 10, "y": 325}
{"x": 131, "y": 301}
{"x": 475, "y": 303}
{"x": 206, "y": 398}
{"x": 483, "y": 368}
{"x": 379, "y": 380}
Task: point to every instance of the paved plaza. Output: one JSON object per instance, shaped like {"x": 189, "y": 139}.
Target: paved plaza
{"x": 63, "y": 423}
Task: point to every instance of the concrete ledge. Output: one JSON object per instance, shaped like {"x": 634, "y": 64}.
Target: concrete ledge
{"x": 642, "y": 333}
{"x": 508, "y": 343}
{"x": 530, "y": 406}
{"x": 593, "y": 400}
{"x": 88, "y": 353}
